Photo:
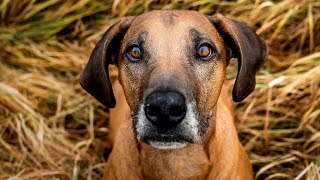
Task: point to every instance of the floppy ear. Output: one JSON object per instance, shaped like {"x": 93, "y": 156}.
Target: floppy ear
{"x": 250, "y": 50}
{"x": 95, "y": 76}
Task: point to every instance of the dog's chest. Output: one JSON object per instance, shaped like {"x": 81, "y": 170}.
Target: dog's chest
{"x": 186, "y": 163}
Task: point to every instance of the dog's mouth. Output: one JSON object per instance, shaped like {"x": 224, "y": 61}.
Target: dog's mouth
{"x": 167, "y": 145}
{"x": 162, "y": 141}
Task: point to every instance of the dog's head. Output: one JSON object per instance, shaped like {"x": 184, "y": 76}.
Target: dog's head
{"x": 172, "y": 66}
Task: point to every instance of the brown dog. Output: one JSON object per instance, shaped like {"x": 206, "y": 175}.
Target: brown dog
{"x": 173, "y": 119}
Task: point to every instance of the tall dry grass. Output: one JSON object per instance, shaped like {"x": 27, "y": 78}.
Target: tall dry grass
{"x": 51, "y": 129}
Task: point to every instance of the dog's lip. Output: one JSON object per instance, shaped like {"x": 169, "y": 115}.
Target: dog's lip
{"x": 167, "y": 141}
{"x": 165, "y": 145}
{"x": 166, "y": 138}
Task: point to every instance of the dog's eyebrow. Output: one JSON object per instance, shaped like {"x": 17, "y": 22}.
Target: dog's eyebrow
{"x": 200, "y": 38}
{"x": 137, "y": 40}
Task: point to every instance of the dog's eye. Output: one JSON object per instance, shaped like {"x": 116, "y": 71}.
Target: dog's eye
{"x": 204, "y": 52}
{"x": 135, "y": 54}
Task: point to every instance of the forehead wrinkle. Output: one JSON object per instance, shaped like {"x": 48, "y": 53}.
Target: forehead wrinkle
{"x": 169, "y": 19}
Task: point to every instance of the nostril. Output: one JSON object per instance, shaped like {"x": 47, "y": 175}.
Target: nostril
{"x": 177, "y": 111}
{"x": 152, "y": 110}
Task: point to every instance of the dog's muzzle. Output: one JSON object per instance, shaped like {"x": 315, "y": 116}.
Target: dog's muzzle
{"x": 166, "y": 120}
{"x": 165, "y": 110}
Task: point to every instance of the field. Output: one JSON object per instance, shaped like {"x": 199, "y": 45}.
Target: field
{"x": 50, "y": 128}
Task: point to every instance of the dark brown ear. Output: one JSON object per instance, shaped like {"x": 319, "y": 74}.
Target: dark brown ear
{"x": 95, "y": 76}
{"x": 250, "y": 50}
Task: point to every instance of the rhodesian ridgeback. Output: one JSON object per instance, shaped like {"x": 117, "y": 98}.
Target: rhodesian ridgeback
{"x": 173, "y": 119}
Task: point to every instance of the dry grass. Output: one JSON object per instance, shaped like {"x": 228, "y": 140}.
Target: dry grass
{"x": 51, "y": 129}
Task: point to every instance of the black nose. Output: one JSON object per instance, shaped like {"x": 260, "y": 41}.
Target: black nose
{"x": 165, "y": 109}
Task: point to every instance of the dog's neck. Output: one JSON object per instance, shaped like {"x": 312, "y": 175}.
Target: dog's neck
{"x": 174, "y": 164}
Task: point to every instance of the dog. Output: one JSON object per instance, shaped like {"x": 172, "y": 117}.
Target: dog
{"x": 173, "y": 118}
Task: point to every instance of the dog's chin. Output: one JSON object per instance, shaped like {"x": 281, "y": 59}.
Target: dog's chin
{"x": 167, "y": 145}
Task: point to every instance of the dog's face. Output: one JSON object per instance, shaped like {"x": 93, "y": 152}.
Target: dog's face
{"x": 172, "y": 67}
{"x": 174, "y": 82}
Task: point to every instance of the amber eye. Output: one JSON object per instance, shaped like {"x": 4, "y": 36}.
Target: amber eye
{"x": 204, "y": 51}
{"x": 135, "y": 54}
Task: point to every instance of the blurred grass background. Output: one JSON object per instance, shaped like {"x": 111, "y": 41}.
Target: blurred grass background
{"x": 52, "y": 129}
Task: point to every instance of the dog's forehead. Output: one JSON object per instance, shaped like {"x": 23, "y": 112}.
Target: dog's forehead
{"x": 177, "y": 23}
{"x": 172, "y": 17}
